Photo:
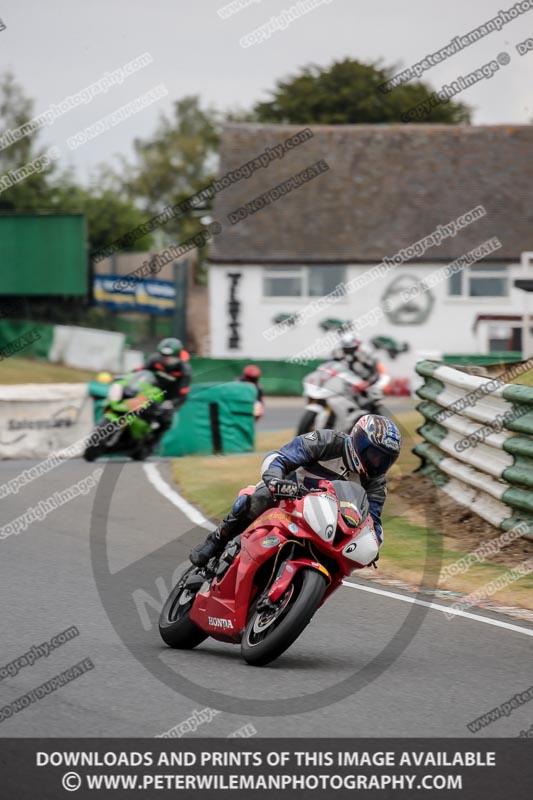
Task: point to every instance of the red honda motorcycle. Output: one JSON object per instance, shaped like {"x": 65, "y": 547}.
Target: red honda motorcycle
{"x": 264, "y": 588}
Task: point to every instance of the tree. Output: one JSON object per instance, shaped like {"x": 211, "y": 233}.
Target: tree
{"x": 348, "y": 92}
{"x": 32, "y": 191}
{"x": 109, "y": 216}
{"x": 173, "y": 164}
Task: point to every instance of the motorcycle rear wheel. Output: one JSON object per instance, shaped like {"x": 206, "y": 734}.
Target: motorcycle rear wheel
{"x": 142, "y": 452}
{"x": 175, "y": 627}
{"x": 264, "y": 641}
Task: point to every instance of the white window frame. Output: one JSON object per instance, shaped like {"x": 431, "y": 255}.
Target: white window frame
{"x": 294, "y": 271}
{"x": 288, "y": 272}
{"x": 466, "y": 276}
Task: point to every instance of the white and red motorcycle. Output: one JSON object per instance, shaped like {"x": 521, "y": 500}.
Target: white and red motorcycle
{"x": 337, "y": 398}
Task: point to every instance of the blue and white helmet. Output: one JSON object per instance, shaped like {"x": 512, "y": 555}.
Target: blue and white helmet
{"x": 376, "y": 441}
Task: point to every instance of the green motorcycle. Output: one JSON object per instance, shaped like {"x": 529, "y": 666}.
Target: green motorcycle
{"x": 126, "y": 426}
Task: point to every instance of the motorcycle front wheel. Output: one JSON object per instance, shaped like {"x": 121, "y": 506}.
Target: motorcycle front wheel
{"x": 175, "y": 627}
{"x": 142, "y": 452}
{"x": 272, "y": 631}
{"x": 100, "y": 433}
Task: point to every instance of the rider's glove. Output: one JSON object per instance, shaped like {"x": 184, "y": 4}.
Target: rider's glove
{"x": 283, "y": 488}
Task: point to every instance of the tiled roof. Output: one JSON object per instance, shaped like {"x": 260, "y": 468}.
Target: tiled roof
{"x": 387, "y": 187}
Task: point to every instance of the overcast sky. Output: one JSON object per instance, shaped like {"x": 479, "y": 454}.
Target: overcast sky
{"x": 57, "y": 47}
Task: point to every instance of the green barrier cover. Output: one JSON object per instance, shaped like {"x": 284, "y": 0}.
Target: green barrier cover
{"x": 98, "y": 391}
{"x": 489, "y": 359}
{"x": 215, "y": 419}
{"x": 278, "y": 377}
{"x": 10, "y": 330}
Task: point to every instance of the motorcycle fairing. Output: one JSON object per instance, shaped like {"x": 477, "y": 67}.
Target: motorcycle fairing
{"x": 363, "y": 548}
{"x": 290, "y": 568}
{"x": 230, "y": 597}
{"x": 222, "y": 607}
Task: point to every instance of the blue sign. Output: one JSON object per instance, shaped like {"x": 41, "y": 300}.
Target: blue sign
{"x": 149, "y": 296}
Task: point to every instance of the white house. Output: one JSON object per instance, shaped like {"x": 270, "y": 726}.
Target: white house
{"x": 435, "y": 217}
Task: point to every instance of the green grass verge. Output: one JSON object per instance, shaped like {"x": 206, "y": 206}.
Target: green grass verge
{"x": 28, "y": 370}
{"x": 526, "y": 379}
{"x": 212, "y": 482}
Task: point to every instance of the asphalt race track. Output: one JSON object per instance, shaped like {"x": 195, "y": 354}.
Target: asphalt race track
{"x": 368, "y": 665}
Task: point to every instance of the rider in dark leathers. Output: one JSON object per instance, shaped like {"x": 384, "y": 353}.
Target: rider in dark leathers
{"x": 363, "y": 456}
{"x": 170, "y": 365}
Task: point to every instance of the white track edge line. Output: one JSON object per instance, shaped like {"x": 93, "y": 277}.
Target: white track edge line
{"x": 153, "y": 475}
{"x": 160, "y": 485}
{"x": 445, "y": 609}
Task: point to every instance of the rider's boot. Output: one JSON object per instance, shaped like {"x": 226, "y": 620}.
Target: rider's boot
{"x": 232, "y": 524}
{"x": 212, "y": 546}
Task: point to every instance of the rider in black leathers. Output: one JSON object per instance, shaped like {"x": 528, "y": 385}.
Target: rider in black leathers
{"x": 170, "y": 365}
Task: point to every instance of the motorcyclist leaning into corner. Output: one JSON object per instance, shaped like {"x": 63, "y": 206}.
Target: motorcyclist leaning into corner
{"x": 364, "y": 456}
{"x": 362, "y": 362}
{"x": 171, "y": 367}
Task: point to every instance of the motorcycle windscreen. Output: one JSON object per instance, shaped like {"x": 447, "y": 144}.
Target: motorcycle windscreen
{"x": 320, "y": 513}
{"x": 137, "y": 381}
{"x": 353, "y": 501}
{"x": 115, "y": 392}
